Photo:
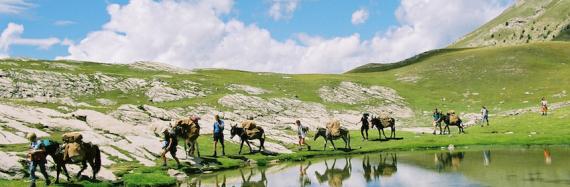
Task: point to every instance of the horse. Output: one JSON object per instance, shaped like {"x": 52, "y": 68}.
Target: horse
{"x": 55, "y": 150}
{"x": 344, "y": 134}
{"x": 92, "y": 156}
{"x": 240, "y": 131}
{"x": 380, "y": 124}
{"x": 189, "y": 131}
{"x": 447, "y": 121}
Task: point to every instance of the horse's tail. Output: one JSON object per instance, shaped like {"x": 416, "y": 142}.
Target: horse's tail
{"x": 97, "y": 159}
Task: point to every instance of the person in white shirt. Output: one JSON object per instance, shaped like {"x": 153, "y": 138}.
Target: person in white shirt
{"x": 302, "y": 133}
{"x": 543, "y": 106}
{"x": 484, "y": 116}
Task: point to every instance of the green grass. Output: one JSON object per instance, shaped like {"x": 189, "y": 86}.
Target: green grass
{"x": 540, "y": 28}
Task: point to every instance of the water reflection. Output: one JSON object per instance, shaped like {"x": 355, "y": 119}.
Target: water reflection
{"x": 486, "y": 157}
{"x": 304, "y": 179}
{"x": 448, "y": 160}
{"x": 506, "y": 167}
{"x": 255, "y": 183}
{"x": 335, "y": 176}
{"x": 385, "y": 167}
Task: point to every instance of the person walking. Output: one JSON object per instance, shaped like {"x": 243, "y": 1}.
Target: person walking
{"x": 543, "y": 106}
{"x": 169, "y": 145}
{"x": 218, "y": 135}
{"x": 436, "y": 120}
{"x": 365, "y": 126}
{"x": 302, "y": 133}
{"x": 484, "y": 116}
{"x": 37, "y": 156}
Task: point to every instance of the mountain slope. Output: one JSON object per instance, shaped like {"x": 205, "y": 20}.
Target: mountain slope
{"x": 526, "y": 21}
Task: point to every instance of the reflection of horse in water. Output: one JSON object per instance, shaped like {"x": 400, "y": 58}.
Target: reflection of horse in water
{"x": 385, "y": 167}
{"x": 333, "y": 175}
{"x": 247, "y": 182}
{"x": 448, "y": 160}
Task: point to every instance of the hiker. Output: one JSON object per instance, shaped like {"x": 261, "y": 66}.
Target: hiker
{"x": 436, "y": 120}
{"x": 169, "y": 145}
{"x": 543, "y": 106}
{"x": 302, "y": 133}
{"x": 365, "y": 126}
{"x": 484, "y": 116}
{"x": 37, "y": 156}
{"x": 218, "y": 135}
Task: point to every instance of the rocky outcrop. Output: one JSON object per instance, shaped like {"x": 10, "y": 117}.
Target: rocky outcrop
{"x": 155, "y": 66}
{"x": 352, "y": 93}
{"x": 160, "y": 92}
{"x": 247, "y": 89}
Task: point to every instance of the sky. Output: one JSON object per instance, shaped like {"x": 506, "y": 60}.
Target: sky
{"x": 285, "y": 36}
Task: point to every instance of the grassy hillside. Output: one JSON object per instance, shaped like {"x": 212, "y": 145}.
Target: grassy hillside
{"x": 526, "y": 21}
{"x": 502, "y": 78}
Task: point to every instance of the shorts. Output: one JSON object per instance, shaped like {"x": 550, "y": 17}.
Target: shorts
{"x": 219, "y": 137}
{"x": 364, "y": 127}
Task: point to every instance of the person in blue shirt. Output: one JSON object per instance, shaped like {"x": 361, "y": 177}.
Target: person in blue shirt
{"x": 218, "y": 135}
{"x": 37, "y": 156}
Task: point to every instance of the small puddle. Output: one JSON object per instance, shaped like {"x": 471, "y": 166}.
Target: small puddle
{"x": 466, "y": 167}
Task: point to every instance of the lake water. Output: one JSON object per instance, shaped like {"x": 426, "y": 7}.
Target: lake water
{"x": 519, "y": 167}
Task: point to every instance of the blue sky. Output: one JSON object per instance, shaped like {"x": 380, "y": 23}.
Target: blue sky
{"x": 319, "y": 35}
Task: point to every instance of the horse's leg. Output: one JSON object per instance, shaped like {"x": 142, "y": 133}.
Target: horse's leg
{"x": 83, "y": 167}
{"x": 185, "y": 148}
{"x": 197, "y": 147}
{"x": 379, "y": 134}
{"x": 393, "y": 134}
{"x": 249, "y": 145}
{"x": 65, "y": 172}
{"x": 384, "y": 134}
{"x": 261, "y": 142}
{"x": 58, "y": 170}
{"x": 92, "y": 164}
{"x": 326, "y": 142}
{"x": 332, "y": 143}
{"x": 240, "y": 147}
{"x": 440, "y": 130}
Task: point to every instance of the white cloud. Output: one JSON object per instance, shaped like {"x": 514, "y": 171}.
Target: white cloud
{"x": 359, "y": 16}
{"x": 63, "y": 22}
{"x": 12, "y": 36}
{"x": 282, "y": 9}
{"x": 13, "y": 6}
{"x": 192, "y": 34}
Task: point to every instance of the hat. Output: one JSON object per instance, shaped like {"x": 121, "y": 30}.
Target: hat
{"x": 195, "y": 118}
{"x": 31, "y": 136}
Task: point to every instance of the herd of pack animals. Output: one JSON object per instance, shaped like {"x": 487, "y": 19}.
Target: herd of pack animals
{"x": 75, "y": 151}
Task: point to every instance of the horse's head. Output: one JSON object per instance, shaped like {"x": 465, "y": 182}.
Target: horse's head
{"x": 233, "y": 131}
{"x": 320, "y": 132}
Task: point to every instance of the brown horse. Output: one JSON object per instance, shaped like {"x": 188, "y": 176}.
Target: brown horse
{"x": 448, "y": 122}
{"x": 92, "y": 156}
{"x": 244, "y": 137}
{"x": 344, "y": 134}
{"x": 381, "y": 123}
{"x": 189, "y": 130}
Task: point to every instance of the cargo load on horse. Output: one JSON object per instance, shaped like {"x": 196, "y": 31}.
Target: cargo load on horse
{"x": 334, "y": 127}
{"x": 250, "y": 127}
{"x": 72, "y": 137}
{"x": 72, "y": 147}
